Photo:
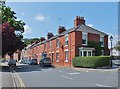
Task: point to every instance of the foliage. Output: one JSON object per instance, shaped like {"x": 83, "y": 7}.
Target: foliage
{"x": 97, "y": 47}
{"x": 29, "y": 41}
{"x": 12, "y": 30}
{"x": 117, "y": 46}
{"x": 95, "y": 61}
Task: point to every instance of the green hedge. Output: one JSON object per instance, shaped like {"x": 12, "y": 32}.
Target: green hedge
{"x": 95, "y": 61}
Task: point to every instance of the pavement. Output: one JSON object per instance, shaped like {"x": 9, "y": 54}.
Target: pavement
{"x": 36, "y": 76}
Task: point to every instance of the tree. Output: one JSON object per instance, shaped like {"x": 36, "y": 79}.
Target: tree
{"x": 117, "y": 46}
{"x": 30, "y": 41}
{"x": 97, "y": 47}
{"x": 11, "y": 30}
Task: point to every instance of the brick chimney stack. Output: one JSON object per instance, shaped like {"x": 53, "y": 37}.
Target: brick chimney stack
{"x": 79, "y": 21}
{"x": 61, "y": 29}
{"x": 42, "y": 39}
{"x": 49, "y": 35}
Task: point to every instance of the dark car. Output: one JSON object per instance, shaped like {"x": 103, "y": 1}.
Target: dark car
{"x": 12, "y": 62}
{"x": 23, "y": 61}
{"x": 33, "y": 62}
{"x": 46, "y": 61}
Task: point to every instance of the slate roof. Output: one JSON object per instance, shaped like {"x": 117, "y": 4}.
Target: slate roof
{"x": 83, "y": 28}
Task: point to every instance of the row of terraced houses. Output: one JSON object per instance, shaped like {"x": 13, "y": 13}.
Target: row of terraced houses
{"x": 67, "y": 44}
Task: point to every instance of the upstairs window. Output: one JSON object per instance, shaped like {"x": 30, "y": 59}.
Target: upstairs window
{"x": 84, "y": 38}
{"x": 57, "y": 43}
{"x": 102, "y": 41}
{"x": 66, "y": 39}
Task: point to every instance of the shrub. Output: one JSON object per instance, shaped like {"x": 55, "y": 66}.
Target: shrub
{"x": 95, "y": 61}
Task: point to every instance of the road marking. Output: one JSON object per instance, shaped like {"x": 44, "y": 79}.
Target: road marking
{"x": 86, "y": 71}
{"x": 66, "y": 77}
{"x": 74, "y": 73}
{"x": 102, "y": 85}
{"x": 14, "y": 82}
{"x": 60, "y": 71}
{"x": 19, "y": 79}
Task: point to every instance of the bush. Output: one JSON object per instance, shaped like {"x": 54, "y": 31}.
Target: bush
{"x": 95, "y": 61}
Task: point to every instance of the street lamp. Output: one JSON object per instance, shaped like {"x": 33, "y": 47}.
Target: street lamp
{"x": 111, "y": 39}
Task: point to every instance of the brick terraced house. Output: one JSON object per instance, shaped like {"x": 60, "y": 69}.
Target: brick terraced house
{"x": 67, "y": 44}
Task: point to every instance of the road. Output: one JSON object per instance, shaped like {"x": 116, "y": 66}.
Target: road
{"x": 36, "y": 76}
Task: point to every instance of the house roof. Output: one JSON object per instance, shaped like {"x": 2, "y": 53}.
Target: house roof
{"x": 83, "y": 28}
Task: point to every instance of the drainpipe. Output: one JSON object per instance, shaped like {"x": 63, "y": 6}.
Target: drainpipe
{"x": 70, "y": 49}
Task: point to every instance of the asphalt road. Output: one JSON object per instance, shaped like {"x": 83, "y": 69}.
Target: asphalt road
{"x": 36, "y": 76}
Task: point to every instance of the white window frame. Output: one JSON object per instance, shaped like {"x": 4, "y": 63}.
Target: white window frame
{"x": 102, "y": 40}
{"x": 66, "y": 40}
{"x": 57, "y": 57}
{"x": 83, "y": 53}
{"x": 83, "y": 33}
{"x": 66, "y": 58}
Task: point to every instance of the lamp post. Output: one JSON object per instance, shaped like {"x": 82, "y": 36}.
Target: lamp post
{"x": 111, "y": 39}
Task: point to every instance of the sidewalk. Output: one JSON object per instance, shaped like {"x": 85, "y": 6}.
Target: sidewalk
{"x": 91, "y": 69}
{"x": 95, "y": 70}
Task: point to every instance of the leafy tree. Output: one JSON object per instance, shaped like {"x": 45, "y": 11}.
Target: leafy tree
{"x": 117, "y": 46}
{"x": 97, "y": 47}
{"x": 29, "y": 41}
{"x": 11, "y": 30}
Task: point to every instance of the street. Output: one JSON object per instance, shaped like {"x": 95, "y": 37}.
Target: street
{"x": 36, "y": 76}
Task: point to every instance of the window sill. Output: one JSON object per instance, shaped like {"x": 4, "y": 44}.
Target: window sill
{"x": 84, "y": 44}
{"x": 57, "y": 60}
{"x": 66, "y": 45}
{"x": 66, "y": 61}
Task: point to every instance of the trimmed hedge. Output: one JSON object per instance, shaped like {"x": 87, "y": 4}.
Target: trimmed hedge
{"x": 94, "y": 61}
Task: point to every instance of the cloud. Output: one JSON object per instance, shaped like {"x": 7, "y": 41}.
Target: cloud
{"x": 27, "y": 30}
{"x": 41, "y": 18}
{"x": 91, "y": 25}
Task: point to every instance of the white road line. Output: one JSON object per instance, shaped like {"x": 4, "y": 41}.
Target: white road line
{"x": 102, "y": 85}
{"x": 60, "y": 71}
{"x": 74, "y": 73}
{"x": 66, "y": 77}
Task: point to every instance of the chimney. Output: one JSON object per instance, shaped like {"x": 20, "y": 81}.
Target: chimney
{"x": 61, "y": 29}
{"x": 79, "y": 21}
{"x": 42, "y": 39}
{"x": 49, "y": 35}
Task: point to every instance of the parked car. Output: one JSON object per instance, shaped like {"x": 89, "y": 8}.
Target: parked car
{"x": 46, "y": 61}
{"x": 33, "y": 62}
{"x": 12, "y": 62}
{"x": 2, "y": 61}
{"x": 23, "y": 61}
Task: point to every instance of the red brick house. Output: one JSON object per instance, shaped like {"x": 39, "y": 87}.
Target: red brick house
{"x": 67, "y": 44}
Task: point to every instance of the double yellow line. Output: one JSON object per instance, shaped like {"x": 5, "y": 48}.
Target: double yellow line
{"x": 16, "y": 76}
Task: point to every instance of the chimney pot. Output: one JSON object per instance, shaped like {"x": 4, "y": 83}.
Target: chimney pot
{"x": 61, "y": 29}
{"x": 42, "y": 39}
{"x": 49, "y": 35}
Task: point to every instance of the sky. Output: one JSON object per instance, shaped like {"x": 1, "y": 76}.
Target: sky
{"x": 44, "y": 17}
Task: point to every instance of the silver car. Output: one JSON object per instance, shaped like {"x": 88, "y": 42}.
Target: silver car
{"x": 12, "y": 62}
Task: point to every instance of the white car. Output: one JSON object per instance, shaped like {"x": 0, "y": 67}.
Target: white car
{"x": 12, "y": 62}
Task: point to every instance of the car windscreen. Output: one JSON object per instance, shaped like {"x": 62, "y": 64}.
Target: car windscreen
{"x": 47, "y": 59}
